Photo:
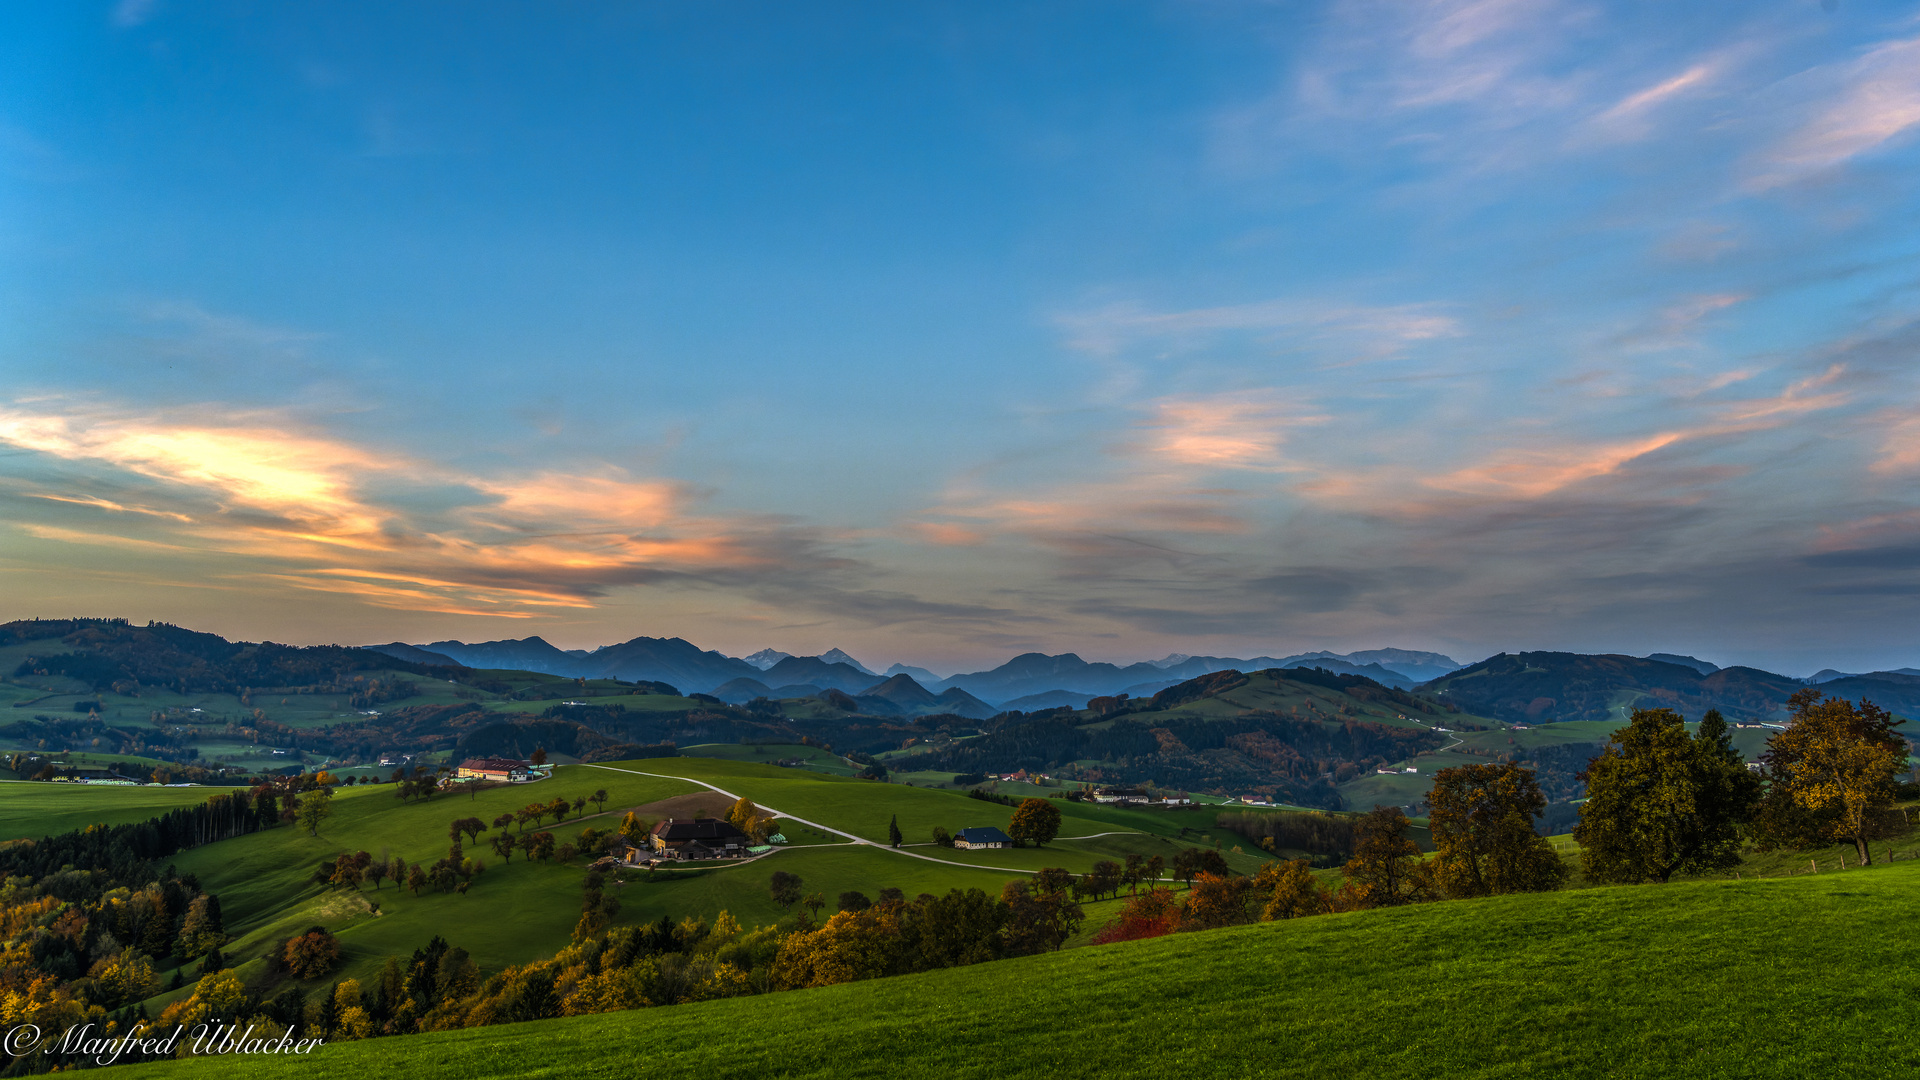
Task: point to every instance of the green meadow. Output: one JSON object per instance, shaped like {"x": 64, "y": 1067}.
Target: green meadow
{"x": 514, "y": 912}
{"x": 518, "y": 911}
{"x": 811, "y": 757}
{"x": 864, "y": 808}
{"x": 31, "y": 810}
{"x": 1760, "y": 978}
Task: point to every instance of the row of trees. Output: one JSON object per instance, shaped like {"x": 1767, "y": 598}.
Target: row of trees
{"x": 1661, "y": 802}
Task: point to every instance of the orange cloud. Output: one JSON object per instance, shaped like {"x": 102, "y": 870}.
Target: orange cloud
{"x": 315, "y": 507}
{"x": 1545, "y": 464}
{"x": 1900, "y": 449}
{"x": 75, "y": 536}
{"x": 259, "y": 468}
{"x": 947, "y": 534}
{"x": 1228, "y": 431}
{"x": 584, "y": 500}
{"x": 107, "y": 504}
{"x": 1530, "y": 474}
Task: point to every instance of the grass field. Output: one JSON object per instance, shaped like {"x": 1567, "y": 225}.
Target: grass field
{"x": 32, "y": 810}
{"x": 514, "y": 912}
{"x": 812, "y": 757}
{"x": 519, "y": 911}
{"x": 1792, "y": 978}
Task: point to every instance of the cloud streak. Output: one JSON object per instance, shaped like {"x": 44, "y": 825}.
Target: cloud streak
{"x": 1878, "y": 100}
{"x": 320, "y": 513}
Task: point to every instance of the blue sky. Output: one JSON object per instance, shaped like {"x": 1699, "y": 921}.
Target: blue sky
{"x": 939, "y": 332}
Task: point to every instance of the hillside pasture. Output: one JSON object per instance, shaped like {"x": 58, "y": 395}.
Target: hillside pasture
{"x": 35, "y": 809}
{"x": 520, "y": 910}
{"x": 1787, "y": 979}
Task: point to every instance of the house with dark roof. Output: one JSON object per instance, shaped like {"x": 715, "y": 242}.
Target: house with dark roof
{"x": 701, "y": 838}
{"x": 985, "y": 837}
{"x": 508, "y": 770}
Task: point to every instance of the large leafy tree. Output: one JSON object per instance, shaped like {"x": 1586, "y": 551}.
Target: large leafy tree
{"x": 1035, "y": 821}
{"x": 753, "y": 822}
{"x": 1661, "y": 802}
{"x": 1291, "y": 890}
{"x": 1037, "y": 921}
{"x": 1483, "y": 832}
{"x": 1216, "y": 900}
{"x": 1830, "y": 775}
{"x": 315, "y": 807}
{"x": 1386, "y": 868}
{"x": 1104, "y": 878}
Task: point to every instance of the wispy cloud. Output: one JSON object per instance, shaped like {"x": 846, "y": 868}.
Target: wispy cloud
{"x": 1534, "y": 472}
{"x": 1542, "y": 461}
{"x": 1369, "y": 330}
{"x": 1877, "y": 100}
{"x": 1636, "y": 104}
{"x": 1900, "y": 445}
{"x": 1678, "y": 324}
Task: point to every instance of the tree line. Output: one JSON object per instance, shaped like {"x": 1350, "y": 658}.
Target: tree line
{"x": 1661, "y": 803}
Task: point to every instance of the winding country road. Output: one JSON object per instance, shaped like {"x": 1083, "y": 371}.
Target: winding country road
{"x": 838, "y": 832}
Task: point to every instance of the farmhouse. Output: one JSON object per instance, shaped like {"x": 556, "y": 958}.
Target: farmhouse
{"x": 701, "y": 838}
{"x": 1114, "y": 795}
{"x": 507, "y": 770}
{"x": 986, "y": 837}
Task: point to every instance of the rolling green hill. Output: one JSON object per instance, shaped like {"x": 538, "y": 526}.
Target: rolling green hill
{"x": 1543, "y": 687}
{"x": 1293, "y": 735}
{"x": 518, "y": 911}
{"x": 1778, "y": 978}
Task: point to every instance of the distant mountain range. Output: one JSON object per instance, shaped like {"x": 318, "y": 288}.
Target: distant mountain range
{"x": 644, "y": 659}
{"x": 1025, "y": 679}
{"x": 1828, "y": 675}
{"x": 1520, "y": 687}
{"x": 1286, "y": 723}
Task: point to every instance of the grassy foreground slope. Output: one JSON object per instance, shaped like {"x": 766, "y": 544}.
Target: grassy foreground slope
{"x": 1804, "y": 977}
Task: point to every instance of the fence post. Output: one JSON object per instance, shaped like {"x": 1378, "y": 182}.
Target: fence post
{"x": 1815, "y": 865}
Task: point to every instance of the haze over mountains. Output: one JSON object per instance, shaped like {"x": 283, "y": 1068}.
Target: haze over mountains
{"x": 1029, "y": 681}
